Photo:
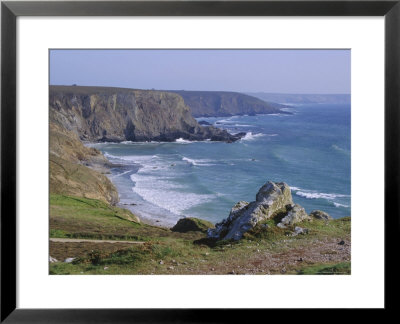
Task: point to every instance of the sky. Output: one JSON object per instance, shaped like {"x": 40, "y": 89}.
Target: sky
{"x": 273, "y": 71}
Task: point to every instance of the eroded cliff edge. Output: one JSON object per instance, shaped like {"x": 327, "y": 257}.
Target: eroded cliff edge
{"x": 118, "y": 114}
{"x": 77, "y": 170}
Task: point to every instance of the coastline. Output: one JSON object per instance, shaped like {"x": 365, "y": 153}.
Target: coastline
{"x": 148, "y": 218}
{"x": 153, "y": 198}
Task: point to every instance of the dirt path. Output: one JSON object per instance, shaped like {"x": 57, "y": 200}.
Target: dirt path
{"x": 67, "y": 240}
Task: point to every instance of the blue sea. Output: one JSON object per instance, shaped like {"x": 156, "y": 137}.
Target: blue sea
{"x": 309, "y": 150}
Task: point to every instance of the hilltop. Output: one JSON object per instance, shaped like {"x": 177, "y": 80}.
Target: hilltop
{"x": 285, "y": 98}
{"x": 223, "y": 103}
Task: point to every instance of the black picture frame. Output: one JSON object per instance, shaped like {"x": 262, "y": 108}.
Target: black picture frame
{"x": 10, "y": 10}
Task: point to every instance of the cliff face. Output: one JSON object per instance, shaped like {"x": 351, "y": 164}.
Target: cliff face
{"x": 221, "y": 103}
{"x": 69, "y": 172}
{"x": 115, "y": 114}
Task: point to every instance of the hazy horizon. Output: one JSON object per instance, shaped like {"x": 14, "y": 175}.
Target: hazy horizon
{"x": 302, "y": 72}
{"x": 243, "y": 92}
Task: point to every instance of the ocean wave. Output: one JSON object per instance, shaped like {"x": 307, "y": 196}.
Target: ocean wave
{"x": 251, "y": 137}
{"x": 295, "y": 104}
{"x": 227, "y": 121}
{"x": 340, "y": 150}
{"x": 167, "y": 194}
{"x": 138, "y": 158}
{"x": 340, "y": 205}
{"x": 312, "y": 194}
{"x": 110, "y": 156}
{"x": 182, "y": 141}
{"x": 289, "y": 109}
{"x": 133, "y": 159}
{"x": 241, "y": 125}
{"x": 316, "y": 195}
{"x": 198, "y": 162}
{"x": 277, "y": 114}
{"x": 120, "y": 174}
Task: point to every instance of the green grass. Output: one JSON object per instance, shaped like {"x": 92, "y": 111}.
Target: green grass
{"x": 317, "y": 229}
{"x": 334, "y": 269}
{"x": 73, "y": 217}
{"x": 58, "y": 233}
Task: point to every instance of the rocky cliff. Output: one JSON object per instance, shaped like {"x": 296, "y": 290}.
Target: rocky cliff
{"x": 116, "y": 114}
{"x": 222, "y": 103}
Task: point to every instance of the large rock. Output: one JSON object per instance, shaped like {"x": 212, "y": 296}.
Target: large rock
{"x": 319, "y": 214}
{"x": 272, "y": 200}
{"x": 295, "y": 214}
{"x": 192, "y": 224}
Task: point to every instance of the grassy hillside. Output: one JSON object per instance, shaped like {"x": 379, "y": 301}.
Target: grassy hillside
{"x": 69, "y": 172}
{"x": 168, "y": 252}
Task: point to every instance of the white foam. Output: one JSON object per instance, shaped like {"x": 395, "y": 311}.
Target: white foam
{"x": 182, "y": 141}
{"x": 316, "y": 195}
{"x": 277, "y": 114}
{"x": 120, "y": 174}
{"x": 226, "y": 121}
{"x": 198, "y": 162}
{"x": 291, "y": 104}
{"x": 251, "y": 137}
{"x": 340, "y": 205}
{"x": 162, "y": 192}
{"x": 138, "y": 158}
{"x": 110, "y": 156}
{"x": 190, "y": 161}
{"x": 242, "y": 125}
{"x": 340, "y": 150}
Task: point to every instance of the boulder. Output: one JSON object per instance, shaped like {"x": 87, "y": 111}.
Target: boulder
{"x": 271, "y": 200}
{"x": 52, "y": 260}
{"x": 319, "y": 214}
{"x": 192, "y": 224}
{"x": 299, "y": 230}
{"x": 69, "y": 260}
{"x": 295, "y": 214}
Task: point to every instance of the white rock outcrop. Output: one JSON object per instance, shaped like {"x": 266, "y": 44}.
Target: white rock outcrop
{"x": 272, "y": 200}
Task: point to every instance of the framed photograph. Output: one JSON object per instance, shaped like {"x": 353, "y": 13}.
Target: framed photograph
{"x": 186, "y": 154}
